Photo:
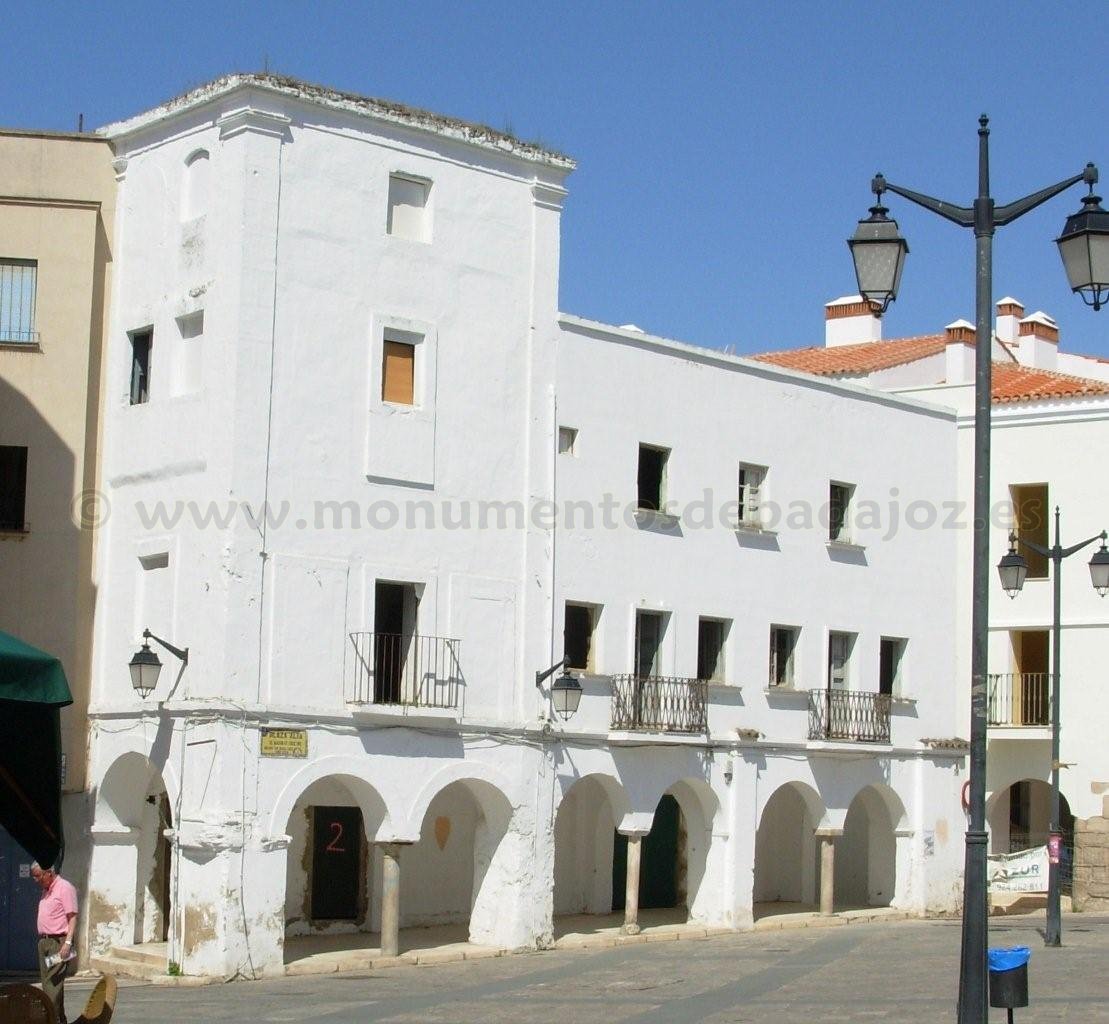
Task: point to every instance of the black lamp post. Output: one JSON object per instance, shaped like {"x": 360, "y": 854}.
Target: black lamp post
{"x": 984, "y": 217}
{"x": 1013, "y": 571}
{"x": 565, "y": 690}
{"x": 146, "y": 666}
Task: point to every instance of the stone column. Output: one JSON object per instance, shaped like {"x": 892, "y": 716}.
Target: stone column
{"x": 631, "y": 891}
{"x": 827, "y": 837}
{"x": 390, "y": 899}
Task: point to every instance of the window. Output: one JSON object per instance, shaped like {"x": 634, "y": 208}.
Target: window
{"x": 891, "y": 652}
{"x": 783, "y": 644}
{"x": 840, "y": 646}
{"x": 396, "y": 609}
{"x": 141, "y": 344}
{"x": 750, "y": 494}
{"x": 649, "y": 628}
{"x": 577, "y": 636}
{"x": 567, "y": 440}
{"x": 652, "y": 477}
{"x": 839, "y": 513}
{"x": 18, "y": 279}
{"x": 710, "y": 649}
{"x": 408, "y": 209}
{"x": 13, "y": 487}
{"x": 1031, "y": 517}
{"x": 398, "y": 371}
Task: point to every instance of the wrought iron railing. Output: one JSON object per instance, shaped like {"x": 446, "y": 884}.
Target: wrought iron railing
{"x": 417, "y": 671}
{"x": 855, "y": 715}
{"x": 1020, "y": 698}
{"x": 660, "y": 703}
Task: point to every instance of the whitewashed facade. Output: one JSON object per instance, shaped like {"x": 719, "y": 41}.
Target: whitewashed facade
{"x": 354, "y": 323}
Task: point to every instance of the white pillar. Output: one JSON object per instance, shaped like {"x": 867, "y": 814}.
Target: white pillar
{"x": 390, "y": 899}
{"x": 827, "y": 839}
{"x": 631, "y": 891}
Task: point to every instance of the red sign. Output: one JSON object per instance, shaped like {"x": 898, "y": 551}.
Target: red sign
{"x": 1054, "y": 846}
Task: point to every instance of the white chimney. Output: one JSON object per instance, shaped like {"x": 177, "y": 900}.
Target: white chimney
{"x": 1039, "y": 341}
{"x": 958, "y": 352}
{"x": 851, "y": 320}
{"x": 1009, "y": 313}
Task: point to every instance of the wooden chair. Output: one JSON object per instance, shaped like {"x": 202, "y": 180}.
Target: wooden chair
{"x": 102, "y": 1001}
{"x": 25, "y": 1004}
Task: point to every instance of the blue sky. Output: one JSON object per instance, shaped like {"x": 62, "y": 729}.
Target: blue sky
{"x": 724, "y": 150}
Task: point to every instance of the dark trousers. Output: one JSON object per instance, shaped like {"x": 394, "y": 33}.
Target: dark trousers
{"x": 53, "y": 978}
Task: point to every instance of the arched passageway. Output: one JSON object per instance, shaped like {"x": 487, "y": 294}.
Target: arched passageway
{"x": 785, "y": 847}
{"x": 585, "y": 830}
{"x": 137, "y": 876}
{"x": 449, "y": 876}
{"x": 329, "y": 876}
{"x": 866, "y": 854}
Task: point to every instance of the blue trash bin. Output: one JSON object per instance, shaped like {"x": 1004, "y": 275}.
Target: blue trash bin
{"x": 1009, "y": 976}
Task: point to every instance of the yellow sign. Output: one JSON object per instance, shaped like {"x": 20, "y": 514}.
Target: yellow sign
{"x": 284, "y": 743}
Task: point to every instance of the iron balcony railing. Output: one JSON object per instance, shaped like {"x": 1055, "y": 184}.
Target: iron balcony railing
{"x": 854, "y": 715}
{"x": 1020, "y": 699}
{"x": 660, "y": 703}
{"x": 405, "y": 669}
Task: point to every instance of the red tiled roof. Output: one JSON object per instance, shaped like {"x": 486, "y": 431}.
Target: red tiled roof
{"x": 1011, "y": 382}
{"x": 856, "y": 359}
{"x": 1025, "y": 384}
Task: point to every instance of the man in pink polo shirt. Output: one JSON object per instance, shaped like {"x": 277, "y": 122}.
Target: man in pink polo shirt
{"x": 57, "y": 923}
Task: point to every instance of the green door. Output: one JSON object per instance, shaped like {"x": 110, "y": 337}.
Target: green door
{"x": 658, "y": 870}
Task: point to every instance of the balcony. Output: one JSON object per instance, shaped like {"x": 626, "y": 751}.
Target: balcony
{"x": 852, "y": 715}
{"x": 660, "y": 704}
{"x": 1020, "y": 700}
{"x": 405, "y": 670}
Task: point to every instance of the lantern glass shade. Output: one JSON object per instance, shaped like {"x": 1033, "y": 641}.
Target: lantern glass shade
{"x": 1013, "y": 570}
{"x": 1084, "y": 247}
{"x": 566, "y": 695}
{"x": 879, "y": 255}
{"x": 145, "y": 667}
{"x": 1099, "y": 571}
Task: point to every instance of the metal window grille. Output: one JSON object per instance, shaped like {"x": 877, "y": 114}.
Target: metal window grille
{"x": 18, "y": 285}
{"x": 659, "y": 704}
{"x": 410, "y": 670}
{"x": 853, "y": 715}
{"x": 1020, "y": 698}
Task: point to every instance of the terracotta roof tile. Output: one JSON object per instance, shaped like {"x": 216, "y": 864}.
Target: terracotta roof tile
{"x": 856, "y": 359}
{"x": 1011, "y": 382}
{"x": 1025, "y": 384}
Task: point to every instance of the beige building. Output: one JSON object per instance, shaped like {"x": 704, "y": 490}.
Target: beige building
{"x": 57, "y": 196}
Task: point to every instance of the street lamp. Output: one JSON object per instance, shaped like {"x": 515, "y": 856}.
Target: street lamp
{"x": 1084, "y": 246}
{"x": 984, "y": 217}
{"x": 1013, "y": 570}
{"x": 565, "y": 690}
{"x": 146, "y": 666}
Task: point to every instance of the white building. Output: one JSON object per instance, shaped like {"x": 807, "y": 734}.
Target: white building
{"x": 1050, "y": 423}
{"x": 345, "y": 312}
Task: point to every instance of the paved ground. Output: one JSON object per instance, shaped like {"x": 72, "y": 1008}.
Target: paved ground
{"x": 906, "y": 971}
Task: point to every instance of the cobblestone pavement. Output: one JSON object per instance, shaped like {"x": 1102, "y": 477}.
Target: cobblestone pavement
{"x": 905, "y": 971}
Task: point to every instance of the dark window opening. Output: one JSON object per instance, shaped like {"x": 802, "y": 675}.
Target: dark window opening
{"x": 1031, "y": 520}
{"x": 395, "y": 606}
{"x": 710, "y": 649}
{"x": 141, "y": 344}
{"x": 783, "y": 641}
{"x": 889, "y": 672}
{"x": 839, "y": 502}
{"x": 648, "y": 641}
{"x": 652, "y": 477}
{"x": 577, "y": 637}
{"x": 13, "y": 487}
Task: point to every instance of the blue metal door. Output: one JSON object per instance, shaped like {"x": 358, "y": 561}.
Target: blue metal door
{"x": 19, "y": 897}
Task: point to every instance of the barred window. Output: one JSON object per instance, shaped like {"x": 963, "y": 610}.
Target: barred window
{"x": 17, "y": 300}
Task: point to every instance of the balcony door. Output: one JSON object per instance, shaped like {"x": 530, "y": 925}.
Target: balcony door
{"x": 1031, "y": 700}
{"x": 648, "y": 643}
{"x": 395, "y": 607}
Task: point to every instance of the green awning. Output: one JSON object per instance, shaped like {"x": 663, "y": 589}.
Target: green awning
{"x": 33, "y": 690}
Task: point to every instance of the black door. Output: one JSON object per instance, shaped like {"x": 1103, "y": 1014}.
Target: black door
{"x": 19, "y": 897}
{"x": 336, "y": 863}
{"x": 658, "y": 868}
